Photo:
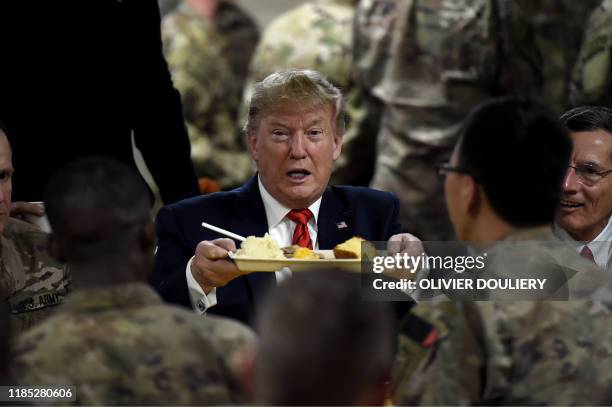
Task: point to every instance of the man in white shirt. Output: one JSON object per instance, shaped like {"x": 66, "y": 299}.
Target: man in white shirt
{"x": 584, "y": 217}
{"x": 294, "y": 129}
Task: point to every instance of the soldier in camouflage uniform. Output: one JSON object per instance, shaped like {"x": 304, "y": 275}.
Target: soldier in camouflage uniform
{"x": 513, "y": 352}
{"x": 318, "y": 35}
{"x": 592, "y": 76}
{"x": 429, "y": 62}
{"x": 114, "y": 339}
{"x": 208, "y": 58}
{"x": 31, "y": 282}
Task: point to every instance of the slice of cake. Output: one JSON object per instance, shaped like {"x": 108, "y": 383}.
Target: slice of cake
{"x": 260, "y": 248}
{"x": 351, "y": 249}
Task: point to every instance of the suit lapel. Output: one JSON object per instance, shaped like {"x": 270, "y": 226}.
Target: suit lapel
{"x": 251, "y": 214}
{"x": 335, "y": 223}
{"x": 250, "y": 211}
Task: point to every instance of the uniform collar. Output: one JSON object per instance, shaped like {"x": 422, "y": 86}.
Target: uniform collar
{"x": 131, "y": 295}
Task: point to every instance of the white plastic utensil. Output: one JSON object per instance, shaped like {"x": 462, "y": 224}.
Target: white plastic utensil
{"x": 223, "y": 232}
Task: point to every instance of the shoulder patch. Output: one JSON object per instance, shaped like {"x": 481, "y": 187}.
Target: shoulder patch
{"x": 27, "y": 301}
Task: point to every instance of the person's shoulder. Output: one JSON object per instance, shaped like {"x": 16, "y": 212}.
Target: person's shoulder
{"x": 212, "y": 201}
{"x": 28, "y": 240}
{"x": 364, "y": 195}
{"x": 226, "y": 338}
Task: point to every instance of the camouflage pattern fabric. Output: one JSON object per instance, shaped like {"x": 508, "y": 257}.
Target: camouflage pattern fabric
{"x": 429, "y": 62}
{"x": 209, "y": 64}
{"x": 559, "y": 28}
{"x": 592, "y": 76}
{"x": 33, "y": 282}
{"x": 318, "y": 36}
{"x": 517, "y": 352}
{"x": 122, "y": 345}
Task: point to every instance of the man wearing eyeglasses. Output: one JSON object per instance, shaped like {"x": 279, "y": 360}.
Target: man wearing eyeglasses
{"x": 506, "y": 350}
{"x": 584, "y": 217}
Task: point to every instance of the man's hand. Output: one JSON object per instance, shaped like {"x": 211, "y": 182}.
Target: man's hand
{"x": 408, "y": 244}
{"x": 22, "y": 209}
{"x": 211, "y": 267}
{"x": 405, "y": 243}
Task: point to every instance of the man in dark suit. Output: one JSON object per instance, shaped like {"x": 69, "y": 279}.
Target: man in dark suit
{"x": 294, "y": 127}
{"x": 77, "y": 78}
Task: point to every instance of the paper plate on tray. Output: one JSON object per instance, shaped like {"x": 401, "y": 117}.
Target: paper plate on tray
{"x": 327, "y": 261}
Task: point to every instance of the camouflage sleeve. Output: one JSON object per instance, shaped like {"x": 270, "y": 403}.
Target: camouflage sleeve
{"x": 40, "y": 281}
{"x": 592, "y": 76}
{"x": 453, "y": 373}
{"x": 372, "y": 28}
{"x": 519, "y": 61}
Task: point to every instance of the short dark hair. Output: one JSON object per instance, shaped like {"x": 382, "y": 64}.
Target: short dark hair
{"x": 3, "y": 128}
{"x": 519, "y": 152}
{"x": 103, "y": 200}
{"x": 317, "y": 325}
{"x": 588, "y": 118}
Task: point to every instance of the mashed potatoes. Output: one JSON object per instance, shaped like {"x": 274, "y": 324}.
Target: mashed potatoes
{"x": 260, "y": 248}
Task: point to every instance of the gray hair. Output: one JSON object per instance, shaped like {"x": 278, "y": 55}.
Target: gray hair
{"x": 294, "y": 88}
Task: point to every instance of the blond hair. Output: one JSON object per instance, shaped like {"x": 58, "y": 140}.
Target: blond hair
{"x": 299, "y": 89}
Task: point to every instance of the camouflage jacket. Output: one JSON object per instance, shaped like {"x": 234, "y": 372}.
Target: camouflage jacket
{"x": 592, "y": 76}
{"x": 519, "y": 352}
{"x": 122, "y": 345}
{"x": 427, "y": 64}
{"x": 32, "y": 282}
{"x": 209, "y": 63}
{"x": 432, "y": 61}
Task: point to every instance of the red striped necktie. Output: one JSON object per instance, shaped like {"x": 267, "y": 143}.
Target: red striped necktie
{"x": 301, "y": 236}
{"x": 587, "y": 254}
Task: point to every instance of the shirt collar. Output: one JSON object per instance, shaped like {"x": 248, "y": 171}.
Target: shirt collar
{"x": 604, "y": 236}
{"x": 276, "y": 212}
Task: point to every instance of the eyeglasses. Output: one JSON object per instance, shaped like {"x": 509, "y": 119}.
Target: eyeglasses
{"x": 445, "y": 168}
{"x": 589, "y": 175}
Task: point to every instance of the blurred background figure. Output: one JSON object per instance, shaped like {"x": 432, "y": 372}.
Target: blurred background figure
{"x": 347, "y": 362}
{"x": 115, "y": 340}
{"x": 85, "y": 78}
{"x": 559, "y": 27}
{"x": 592, "y": 76}
{"x": 208, "y": 45}
{"x": 427, "y": 63}
{"x": 316, "y": 35}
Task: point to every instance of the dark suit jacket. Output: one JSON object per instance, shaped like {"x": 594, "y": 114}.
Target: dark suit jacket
{"x": 77, "y": 78}
{"x": 367, "y": 213}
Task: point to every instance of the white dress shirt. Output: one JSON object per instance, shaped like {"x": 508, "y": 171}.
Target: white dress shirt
{"x": 280, "y": 229}
{"x": 601, "y": 246}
